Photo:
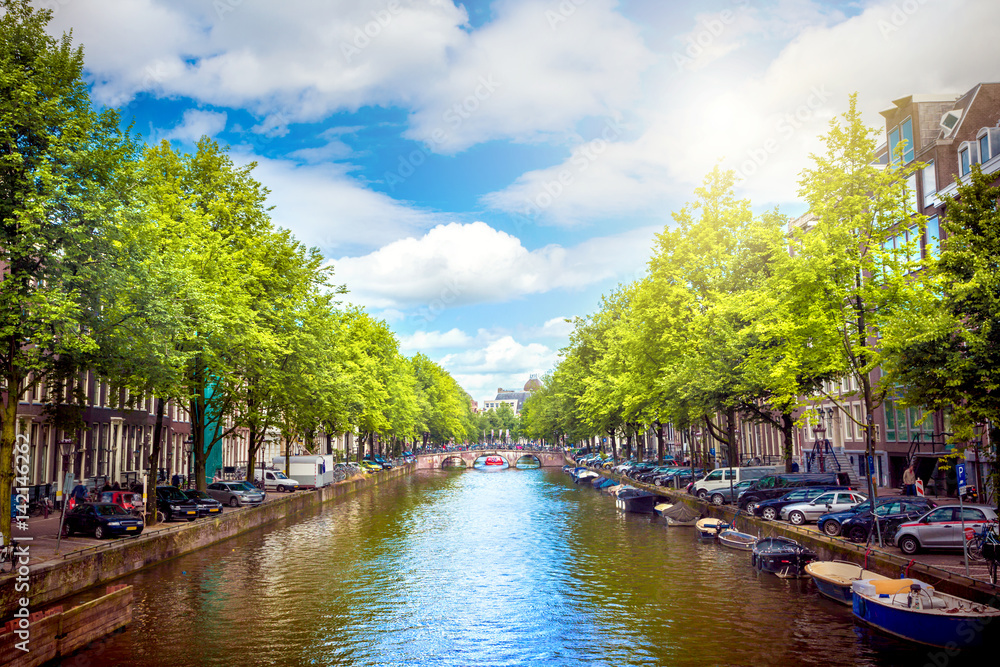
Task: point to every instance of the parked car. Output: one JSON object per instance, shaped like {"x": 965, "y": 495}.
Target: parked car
{"x": 832, "y": 523}
{"x": 236, "y": 494}
{"x": 721, "y": 477}
{"x": 101, "y": 520}
{"x": 777, "y": 485}
{"x": 275, "y": 479}
{"x": 769, "y": 510}
{"x": 173, "y": 504}
{"x": 128, "y": 501}
{"x": 207, "y": 505}
{"x": 831, "y": 501}
{"x": 725, "y": 495}
{"x": 941, "y": 528}
{"x": 891, "y": 513}
{"x": 370, "y": 466}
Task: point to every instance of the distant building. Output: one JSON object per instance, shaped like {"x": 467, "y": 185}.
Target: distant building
{"x": 514, "y": 398}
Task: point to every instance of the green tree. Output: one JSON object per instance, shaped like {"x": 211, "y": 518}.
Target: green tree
{"x": 59, "y": 172}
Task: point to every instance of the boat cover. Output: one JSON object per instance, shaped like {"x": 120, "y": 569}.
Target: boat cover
{"x": 681, "y": 512}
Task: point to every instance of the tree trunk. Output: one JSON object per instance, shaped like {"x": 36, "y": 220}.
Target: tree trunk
{"x": 154, "y": 458}
{"x": 8, "y": 419}
{"x": 660, "y": 451}
{"x": 788, "y": 441}
{"x": 614, "y": 446}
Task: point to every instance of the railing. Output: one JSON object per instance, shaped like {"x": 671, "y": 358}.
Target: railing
{"x": 822, "y": 450}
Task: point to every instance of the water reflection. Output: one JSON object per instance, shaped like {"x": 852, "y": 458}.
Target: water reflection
{"x": 462, "y": 568}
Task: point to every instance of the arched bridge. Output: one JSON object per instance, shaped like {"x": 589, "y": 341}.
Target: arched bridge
{"x": 547, "y": 459}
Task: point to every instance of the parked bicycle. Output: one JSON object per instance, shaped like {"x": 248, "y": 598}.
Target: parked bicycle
{"x": 975, "y": 543}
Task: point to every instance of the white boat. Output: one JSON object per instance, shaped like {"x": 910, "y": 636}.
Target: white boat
{"x": 709, "y": 527}
{"x": 833, "y": 578}
{"x": 913, "y": 610}
{"x": 734, "y": 539}
{"x": 661, "y": 507}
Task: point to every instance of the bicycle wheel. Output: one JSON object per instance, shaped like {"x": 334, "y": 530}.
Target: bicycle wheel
{"x": 974, "y": 548}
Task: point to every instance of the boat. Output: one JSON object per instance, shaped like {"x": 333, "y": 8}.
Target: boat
{"x": 659, "y": 508}
{"x": 587, "y": 476}
{"x": 636, "y": 501}
{"x": 613, "y": 489}
{"x": 709, "y": 527}
{"x": 913, "y": 610}
{"x": 734, "y": 539}
{"x": 604, "y": 483}
{"x": 494, "y": 461}
{"x": 833, "y": 578}
{"x": 680, "y": 515}
{"x": 780, "y": 556}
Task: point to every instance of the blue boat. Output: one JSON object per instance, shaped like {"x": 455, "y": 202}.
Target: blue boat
{"x": 833, "y": 578}
{"x": 913, "y": 610}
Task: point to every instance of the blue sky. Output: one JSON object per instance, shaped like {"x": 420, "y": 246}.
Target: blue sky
{"x": 478, "y": 172}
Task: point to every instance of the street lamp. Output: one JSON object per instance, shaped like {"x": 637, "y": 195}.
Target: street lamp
{"x": 820, "y": 435}
{"x": 189, "y": 451}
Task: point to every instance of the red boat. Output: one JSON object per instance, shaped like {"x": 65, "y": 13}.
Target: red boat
{"x": 494, "y": 461}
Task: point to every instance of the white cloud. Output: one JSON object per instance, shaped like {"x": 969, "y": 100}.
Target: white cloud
{"x": 302, "y": 61}
{"x": 504, "y": 362}
{"x": 324, "y": 207}
{"x": 557, "y": 327}
{"x": 760, "y": 113}
{"x": 457, "y": 264}
{"x": 429, "y": 340}
{"x": 196, "y": 124}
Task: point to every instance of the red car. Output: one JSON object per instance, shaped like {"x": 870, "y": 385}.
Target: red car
{"x": 130, "y": 502}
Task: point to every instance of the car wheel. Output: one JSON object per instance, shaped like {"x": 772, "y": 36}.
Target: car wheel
{"x": 66, "y": 532}
{"x": 832, "y": 528}
{"x": 99, "y": 533}
{"x": 909, "y": 545}
{"x": 768, "y": 513}
{"x": 797, "y": 518}
{"x": 702, "y": 493}
{"x": 717, "y": 499}
{"x": 858, "y": 534}
{"x": 234, "y": 502}
{"x": 751, "y": 506}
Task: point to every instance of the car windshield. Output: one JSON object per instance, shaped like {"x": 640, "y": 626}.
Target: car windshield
{"x": 110, "y": 510}
{"x": 197, "y": 494}
{"x": 246, "y": 486}
{"x": 280, "y": 475}
{"x": 170, "y": 493}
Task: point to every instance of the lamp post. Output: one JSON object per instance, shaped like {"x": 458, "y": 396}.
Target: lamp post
{"x": 67, "y": 480}
{"x": 820, "y": 435}
{"x": 189, "y": 452}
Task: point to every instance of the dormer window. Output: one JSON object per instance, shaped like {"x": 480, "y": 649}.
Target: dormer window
{"x": 968, "y": 155}
{"x": 984, "y": 147}
{"x": 988, "y": 143}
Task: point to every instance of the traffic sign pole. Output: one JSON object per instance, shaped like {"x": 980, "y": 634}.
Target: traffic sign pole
{"x": 962, "y": 484}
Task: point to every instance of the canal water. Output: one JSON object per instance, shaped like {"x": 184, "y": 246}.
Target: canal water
{"x": 465, "y": 568}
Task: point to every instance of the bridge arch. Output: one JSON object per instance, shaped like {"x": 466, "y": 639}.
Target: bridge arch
{"x": 546, "y": 458}
{"x": 454, "y": 461}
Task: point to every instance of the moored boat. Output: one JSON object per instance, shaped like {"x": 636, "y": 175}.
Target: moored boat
{"x": 833, "y": 578}
{"x": 709, "y": 527}
{"x": 636, "y": 501}
{"x": 586, "y": 477}
{"x": 913, "y": 610}
{"x": 680, "y": 515}
{"x": 660, "y": 508}
{"x": 604, "y": 483}
{"x": 734, "y": 539}
{"x": 781, "y": 556}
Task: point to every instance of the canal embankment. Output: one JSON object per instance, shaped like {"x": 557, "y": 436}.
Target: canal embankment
{"x": 76, "y": 570}
{"x": 874, "y": 558}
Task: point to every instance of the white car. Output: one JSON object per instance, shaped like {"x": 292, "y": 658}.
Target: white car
{"x": 831, "y": 501}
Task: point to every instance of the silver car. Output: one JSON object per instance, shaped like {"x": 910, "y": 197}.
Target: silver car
{"x": 235, "y": 494}
{"x": 831, "y": 501}
{"x": 941, "y": 528}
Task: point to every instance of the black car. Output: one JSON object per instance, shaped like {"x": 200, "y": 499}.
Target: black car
{"x": 771, "y": 509}
{"x": 891, "y": 513}
{"x": 775, "y": 486}
{"x": 101, "y": 520}
{"x": 173, "y": 504}
{"x": 207, "y": 505}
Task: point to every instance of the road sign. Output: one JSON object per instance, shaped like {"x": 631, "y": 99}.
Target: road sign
{"x": 711, "y": 451}
{"x": 963, "y": 483}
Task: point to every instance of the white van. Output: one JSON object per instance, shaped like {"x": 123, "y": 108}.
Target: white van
{"x": 722, "y": 477}
{"x": 275, "y": 479}
{"x": 310, "y": 471}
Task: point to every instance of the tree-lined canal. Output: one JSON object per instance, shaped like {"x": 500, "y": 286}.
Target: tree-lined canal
{"x": 481, "y": 568}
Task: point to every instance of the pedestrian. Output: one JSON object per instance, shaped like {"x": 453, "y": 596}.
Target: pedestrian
{"x": 116, "y": 487}
{"x": 795, "y": 465}
{"x": 909, "y": 481}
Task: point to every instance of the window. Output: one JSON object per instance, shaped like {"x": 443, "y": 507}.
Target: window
{"x": 913, "y": 247}
{"x": 933, "y": 236}
{"x": 984, "y": 147}
{"x": 928, "y": 178}
{"x": 902, "y": 133}
{"x": 967, "y": 156}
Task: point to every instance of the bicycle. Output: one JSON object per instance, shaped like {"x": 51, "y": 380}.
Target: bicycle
{"x": 7, "y": 554}
{"x": 974, "y": 544}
